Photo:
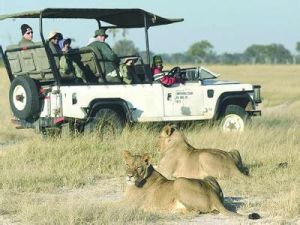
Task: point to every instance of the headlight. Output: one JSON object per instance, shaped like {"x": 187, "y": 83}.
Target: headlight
{"x": 256, "y": 97}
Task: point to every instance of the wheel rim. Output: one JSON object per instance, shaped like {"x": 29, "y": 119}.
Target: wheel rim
{"x": 233, "y": 123}
{"x": 19, "y": 97}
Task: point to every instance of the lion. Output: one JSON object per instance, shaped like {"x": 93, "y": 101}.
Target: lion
{"x": 149, "y": 190}
{"x": 179, "y": 159}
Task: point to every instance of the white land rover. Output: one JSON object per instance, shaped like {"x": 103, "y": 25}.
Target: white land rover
{"x": 42, "y": 98}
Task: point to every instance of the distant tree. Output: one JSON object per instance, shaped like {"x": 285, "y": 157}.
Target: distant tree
{"x": 255, "y": 54}
{"x": 277, "y": 53}
{"x": 273, "y": 54}
{"x": 232, "y": 58}
{"x": 200, "y": 50}
{"x": 143, "y": 54}
{"x": 298, "y": 47}
{"x": 125, "y": 48}
{"x": 114, "y": 32}
{"x": 297, "y": 57}
{"x": 178, "y": 58}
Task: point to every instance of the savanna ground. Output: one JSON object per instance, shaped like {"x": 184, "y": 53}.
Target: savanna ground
{"x": 81, "y": 180}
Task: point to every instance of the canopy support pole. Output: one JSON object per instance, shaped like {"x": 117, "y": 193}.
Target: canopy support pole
{"x": 49, "y": 53}
{"x": 147, "y": 39}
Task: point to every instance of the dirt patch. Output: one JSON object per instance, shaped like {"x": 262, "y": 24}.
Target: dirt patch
{"x": 111, "y": 190}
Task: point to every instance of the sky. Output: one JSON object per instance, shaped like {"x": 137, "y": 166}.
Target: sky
{"x": 229, "y": 25}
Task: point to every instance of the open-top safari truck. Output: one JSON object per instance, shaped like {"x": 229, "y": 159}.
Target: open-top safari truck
{"x": 42, "y": 98}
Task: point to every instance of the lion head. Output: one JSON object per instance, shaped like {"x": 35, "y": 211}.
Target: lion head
{"x": 170, "y": 137}
{"x": 138, "y": 168}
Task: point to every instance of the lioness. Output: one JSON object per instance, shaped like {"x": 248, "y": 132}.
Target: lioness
{"x": 149, "y": 190}
{"x": 179, "y": 159}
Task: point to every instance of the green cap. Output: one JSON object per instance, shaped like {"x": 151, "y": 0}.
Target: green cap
{"x": 100, "y": 32}
{"x": 157, "y": 59}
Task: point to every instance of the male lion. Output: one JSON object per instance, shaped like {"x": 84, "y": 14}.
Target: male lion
{"x": 179, "y": 159}
{"x": 149, "y": 190}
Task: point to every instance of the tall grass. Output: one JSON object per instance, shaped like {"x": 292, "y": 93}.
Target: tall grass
{"x": 49, "y": 181}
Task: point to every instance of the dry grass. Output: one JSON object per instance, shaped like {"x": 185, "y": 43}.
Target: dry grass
{"x": 36, "y": 173}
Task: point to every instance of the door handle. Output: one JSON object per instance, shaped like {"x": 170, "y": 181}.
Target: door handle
{"x": 169, "y": 96}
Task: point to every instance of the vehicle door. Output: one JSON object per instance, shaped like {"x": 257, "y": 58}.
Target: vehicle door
{"x": 182, "y": 100}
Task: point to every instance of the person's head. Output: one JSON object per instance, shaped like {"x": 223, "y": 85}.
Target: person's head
{"x": 54, "y": 37}
{"x": 27, "y": 32}
{"x": 65, "y": 44}
{"x": 100, "y": 35}
{"x": 157, "y": 61}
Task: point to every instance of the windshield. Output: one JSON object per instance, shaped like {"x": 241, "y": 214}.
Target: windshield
{"x": 198, "y": 73}
{"x": 206, "y": 74}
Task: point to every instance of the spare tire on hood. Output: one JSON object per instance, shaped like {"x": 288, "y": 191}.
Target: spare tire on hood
{"x": 24, "y": 98}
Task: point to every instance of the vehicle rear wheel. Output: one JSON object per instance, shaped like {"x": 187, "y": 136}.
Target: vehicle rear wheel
{"x": 105, "y": 123}
{"x": 234, "y": 119}
{"x": 24, "y": 98}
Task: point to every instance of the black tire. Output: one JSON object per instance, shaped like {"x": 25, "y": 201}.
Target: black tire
{"x": 105, "y": 123}
{"x": 234, "y": 118}
{"x": 24, "y": 98}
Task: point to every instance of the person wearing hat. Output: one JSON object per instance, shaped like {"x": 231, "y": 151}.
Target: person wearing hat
{"x": 53, "y": 39}
{"x": 104, "y": 52}
{"x": 27, "y": 35}
{"x": 156, "y": 69}
{"x": 70, "y": 65}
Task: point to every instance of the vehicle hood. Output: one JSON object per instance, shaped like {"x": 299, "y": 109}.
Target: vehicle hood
{"x": 218, "y": 82}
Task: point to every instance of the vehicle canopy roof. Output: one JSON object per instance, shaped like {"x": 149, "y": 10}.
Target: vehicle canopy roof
{"x": 121, "y": 18}
{"x": 117, "y": 18}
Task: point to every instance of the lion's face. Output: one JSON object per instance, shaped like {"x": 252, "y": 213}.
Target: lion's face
{"x": 169, "y": 137}
{"x": 136, "y": 168}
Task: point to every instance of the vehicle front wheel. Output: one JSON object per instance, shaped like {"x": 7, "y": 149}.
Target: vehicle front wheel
{"x": 234, "y": 119}
{"x": 105, "y": 123}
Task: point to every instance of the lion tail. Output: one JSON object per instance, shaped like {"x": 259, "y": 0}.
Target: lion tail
{"x": 221, "y": 208}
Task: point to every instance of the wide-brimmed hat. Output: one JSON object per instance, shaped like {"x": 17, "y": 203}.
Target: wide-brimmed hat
{"x": 100, "y": 32}
{"x": 133, "y": 58}
{"x": 52, "y": 34}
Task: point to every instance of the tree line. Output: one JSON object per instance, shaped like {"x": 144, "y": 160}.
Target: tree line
{"x": 203, "y": 52}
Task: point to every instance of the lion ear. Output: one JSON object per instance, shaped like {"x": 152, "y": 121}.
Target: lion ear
{"x": 126, "y": 155}
{"x": 146, "y": 158}
{"x": 173, "y": 128}
{"x": 169, "y": 129}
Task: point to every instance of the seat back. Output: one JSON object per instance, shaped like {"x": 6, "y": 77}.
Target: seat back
{"x": 143, "y": 71}
{"x": 26, "y": 59}
{"x": 93, "y": 63}
{"x": 13, "y": 59}
{"x": 41, "y": 59}
{"x": 32, "y": 61}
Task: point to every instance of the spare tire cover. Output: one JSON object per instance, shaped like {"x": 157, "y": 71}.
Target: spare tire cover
{"x": 24, "y": 98}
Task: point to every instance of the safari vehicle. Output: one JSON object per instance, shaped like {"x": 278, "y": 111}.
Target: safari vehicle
{"x": 41, "y": 98}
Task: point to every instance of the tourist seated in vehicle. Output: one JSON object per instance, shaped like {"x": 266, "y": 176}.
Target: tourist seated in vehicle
{"x": 127, "y": 70}
{"x": 114, "y": 71}
{"x": 70, "y": 65}
{"x": 53, "y": 39}
{"x": 166, "y": 79}
{"x": 27, "y": 35}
